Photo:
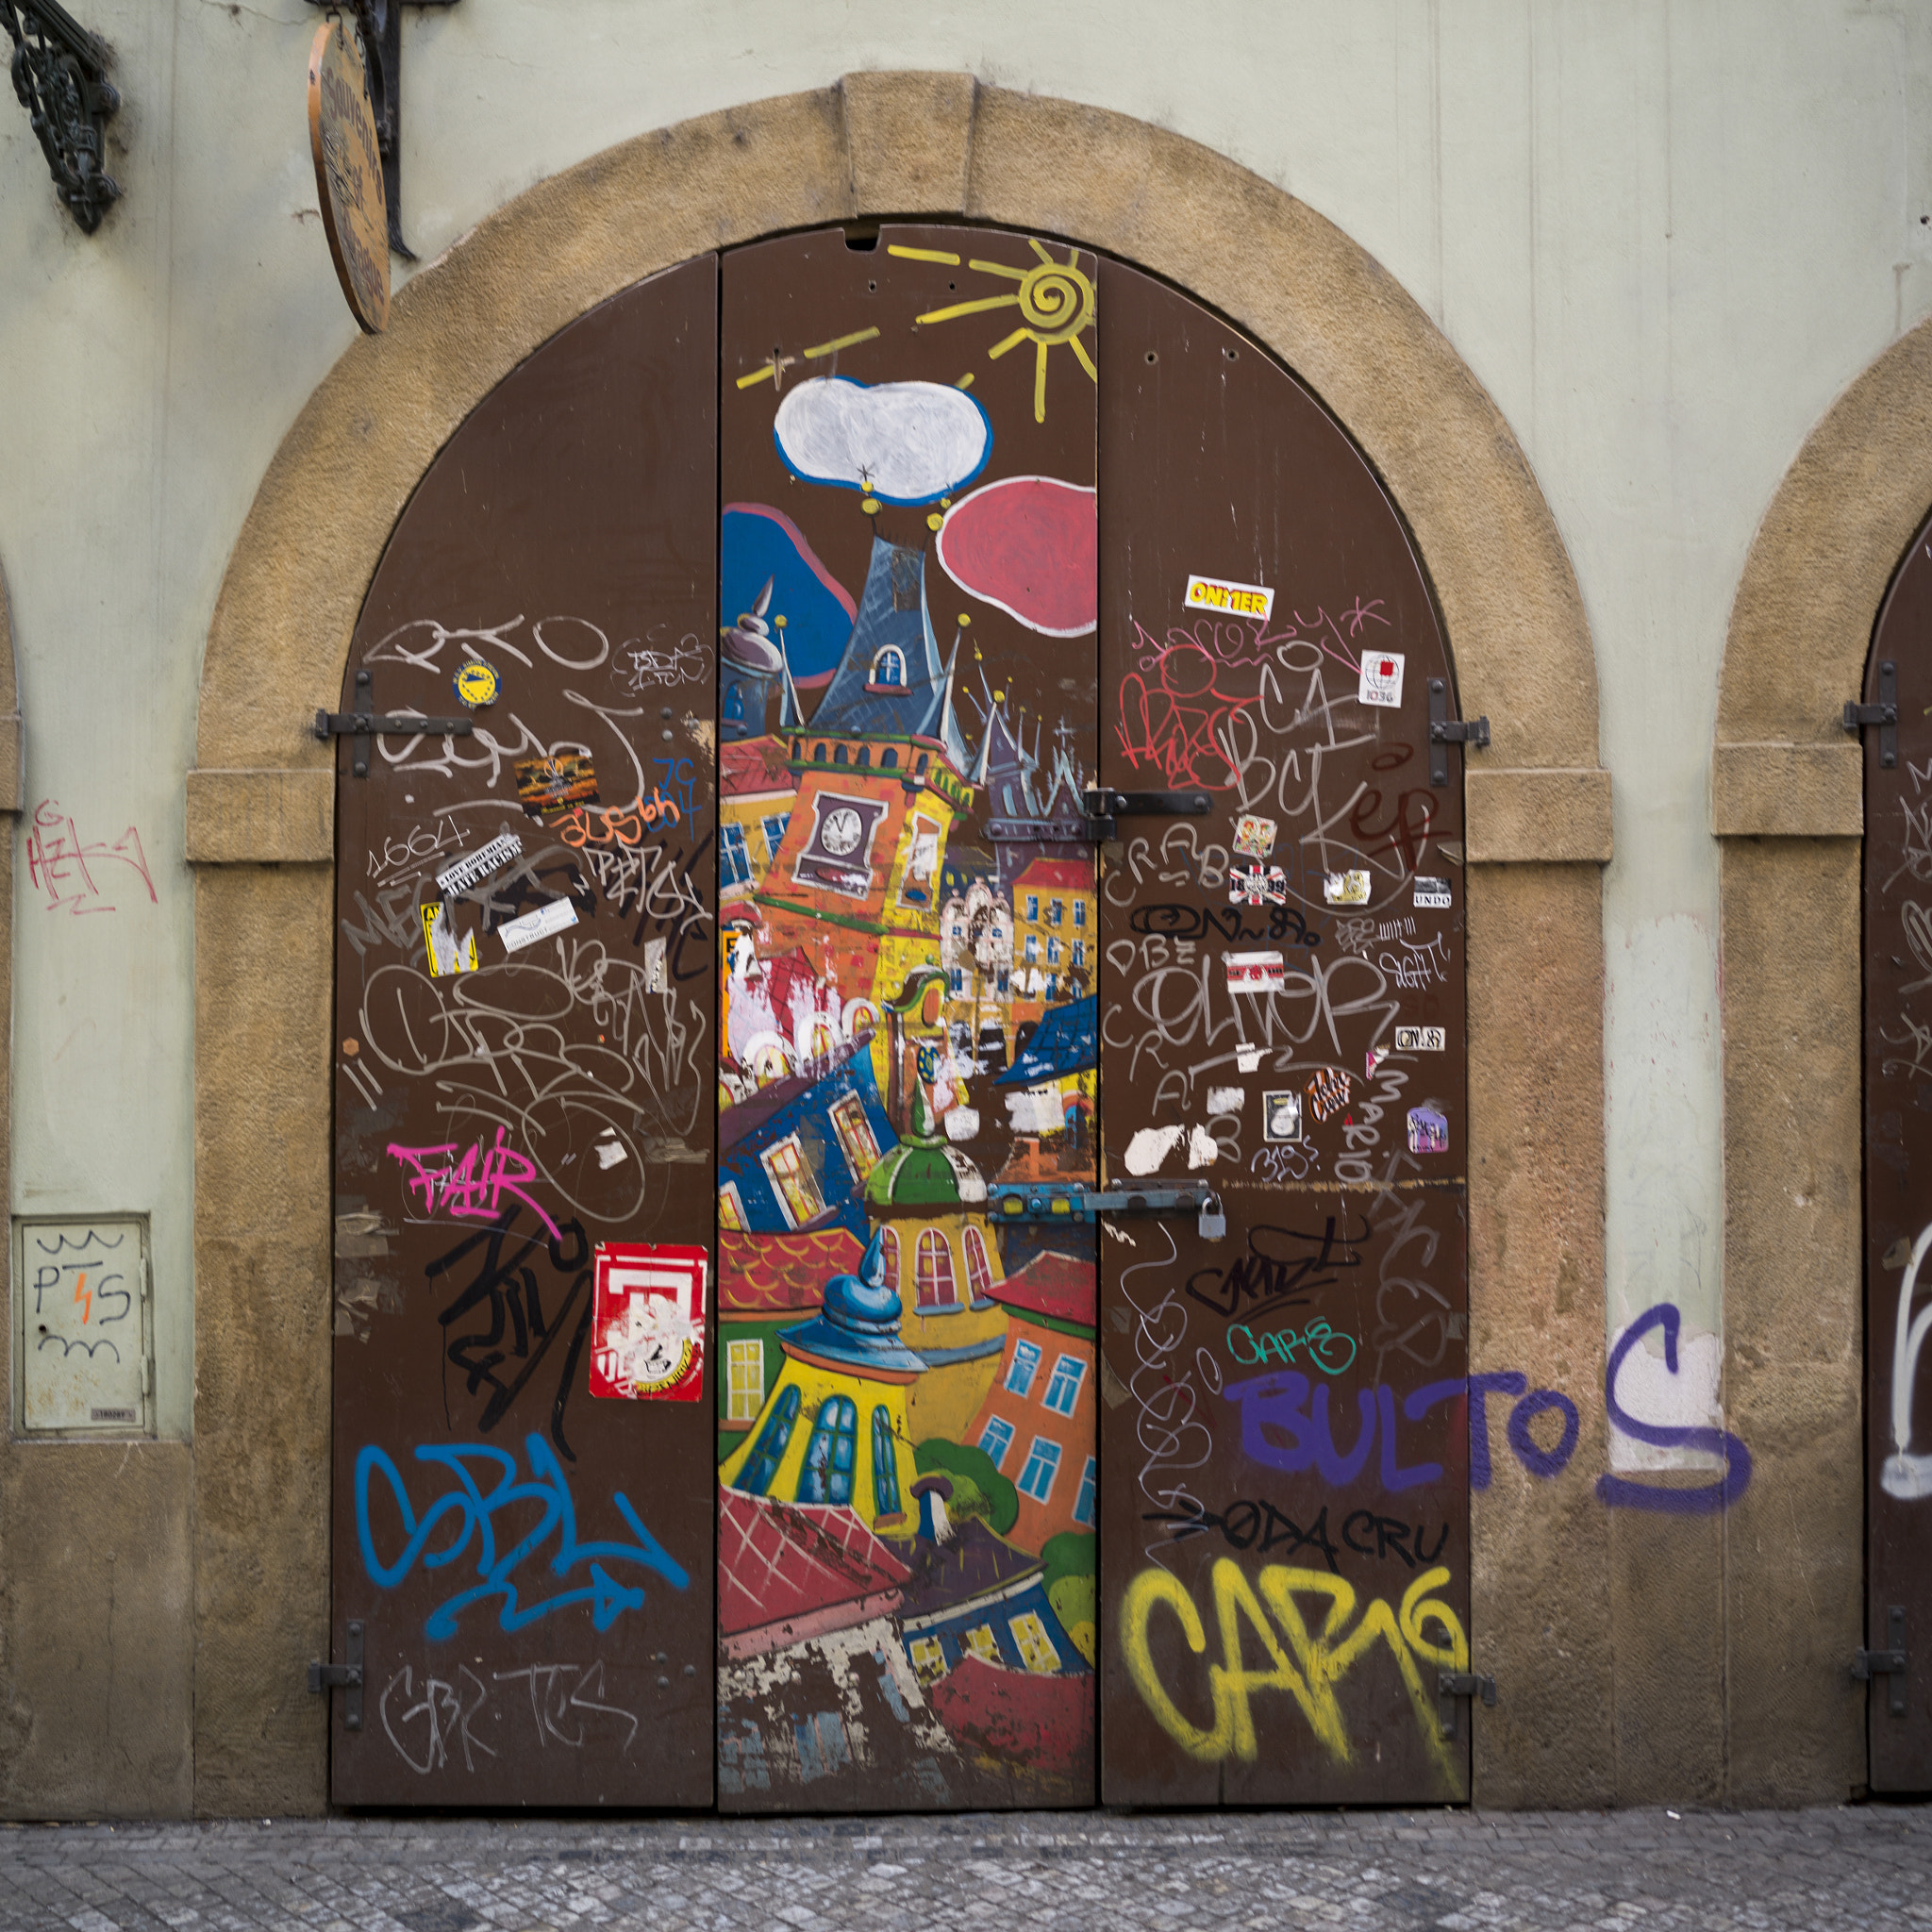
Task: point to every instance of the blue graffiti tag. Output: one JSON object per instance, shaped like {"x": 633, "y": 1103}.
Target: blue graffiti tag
{"x": 475, "y": 1513}
{"x": 1619, "y": 1492}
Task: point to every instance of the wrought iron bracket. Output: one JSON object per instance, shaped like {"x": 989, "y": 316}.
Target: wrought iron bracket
{"x": 364, "y": 725}
{"x": 1446, "y": 731}
{"x": 1104, "y": 806}
{"x": 381, "y": 25}
{"x": 1884, "y": 714}
{"x": 1452, "y": 1686}
{"x": 59, "y": 73}
{"x": 1867, "y": 1665}
{"x": 345, "y": 1677}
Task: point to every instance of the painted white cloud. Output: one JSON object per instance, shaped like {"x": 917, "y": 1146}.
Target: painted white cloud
{"x": 913, "y": 441}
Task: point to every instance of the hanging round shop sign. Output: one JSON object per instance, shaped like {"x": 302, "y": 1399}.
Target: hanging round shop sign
{"x": 348, "y": 170}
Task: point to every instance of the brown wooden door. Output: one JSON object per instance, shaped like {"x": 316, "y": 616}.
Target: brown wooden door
{"x": 524, "y": 1113}
{"x": 907, "y": 1457}
{"x": 1285, "y": 1549}
{"x": 1898, "y": 1168}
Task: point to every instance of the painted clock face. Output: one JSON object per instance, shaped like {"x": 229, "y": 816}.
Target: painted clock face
{"x": 842, "y": 831}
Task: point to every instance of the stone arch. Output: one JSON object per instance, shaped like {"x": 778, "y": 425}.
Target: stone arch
{"x": 261, "y": 801}
{"x": 1787, "y": 803}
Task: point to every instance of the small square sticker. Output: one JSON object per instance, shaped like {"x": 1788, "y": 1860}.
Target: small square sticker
{"x": 1281, "y": 1116}
{"x": 1345, "y": 888}
{"x": 1328, "y": 1092}
{"x": 1429, "y": 1132}
{"x": 1431, "y": 895}
{"x": 1257, "y": 884}
{"x": 1253, "y": 837}
{"x": 1256, "y": 973}
{"x": 1419, "y": 1039}
{"x": 1381, "y": 681}
{"x": 647, "y": 1323}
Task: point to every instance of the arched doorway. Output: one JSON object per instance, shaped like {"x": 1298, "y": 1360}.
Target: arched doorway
{"x": 260, "y": 806}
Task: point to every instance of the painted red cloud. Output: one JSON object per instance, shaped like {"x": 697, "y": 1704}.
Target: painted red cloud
{"x": 1029, "y": 544}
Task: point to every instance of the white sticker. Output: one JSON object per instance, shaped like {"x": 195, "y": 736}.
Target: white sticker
{"x": 1345, "y": 888}
{"x": 473, "y": 868}
{"x": 1254, "y": 837}
{"x": 1237, "y": 600}
{"x": 1381, "y": 679}
{"x": 1421, "y": 1039}
{"x": 1149, "y": 1147}
{"x": 1202, "y": 1150}
{"x": 1375, "y": 1056}
{"x": 1226, "y": 1099}
{"x": 1431, "y": 895}
{"x": 1247, "y": 1059}
{"x": 1257, "y": 971}
{"x": 537, "y": 926}
{"x": 1281, "y": 1116}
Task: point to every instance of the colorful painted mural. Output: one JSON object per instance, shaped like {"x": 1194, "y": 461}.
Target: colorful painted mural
{"x": 905, "y": 1423}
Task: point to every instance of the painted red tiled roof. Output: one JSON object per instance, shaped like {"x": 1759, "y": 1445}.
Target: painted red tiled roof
{"x": 782, "y": 1561}
{"x": 1051, "y": 1284}
{"x": 1069, "y": 875}
{"x": 760, "y": 1273}
{"x": 753, "y": 764}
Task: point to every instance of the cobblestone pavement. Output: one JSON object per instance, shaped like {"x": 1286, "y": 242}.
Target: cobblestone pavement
{"x": 1869, "y": 1866}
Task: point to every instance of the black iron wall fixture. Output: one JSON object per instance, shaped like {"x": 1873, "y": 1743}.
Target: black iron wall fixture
{"x": 59, "y": 73}
{"x": 381, "y": 25}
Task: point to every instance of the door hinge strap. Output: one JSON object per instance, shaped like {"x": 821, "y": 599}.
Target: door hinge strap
{"x": 360, "y": 726}
{"x": 1868, "y": 1664}
{"x": 1105, "y": 805}
{"x": 1446, "y": 731}
{"x": 1453, "y": 1686}
{"x": 345, "y": 1677}
{"x": 1884, "y": 714}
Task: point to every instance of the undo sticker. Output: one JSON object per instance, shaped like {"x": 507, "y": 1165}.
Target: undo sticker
{"x": 1345, "y": 888}
{"x": 1431, "y": 895}
{"x": 1381, "y": 679}
{"x": 1256, "y": 973}
{"x": 1281, "y": 1116}
{"x": 1429, "y": 1132}
{"x": 476, "y": 684}
{"x": 1421, "y": 1039}
{"x": 647, "y": 1323}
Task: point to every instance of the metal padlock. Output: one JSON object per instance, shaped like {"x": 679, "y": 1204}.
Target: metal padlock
{"x": 1213, "y": 1219}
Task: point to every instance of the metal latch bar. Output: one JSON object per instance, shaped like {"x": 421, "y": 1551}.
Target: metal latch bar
{"x": 346, "y": 1676}
{"x": 1104, "y": 806}
{"x": 1884, "y": 714}
{"x": 1867, "y": 1665}
{"x": 1019, "y": 1201}
{"x": 1453, "y": 1685}
{"x": 1445, "y": 730}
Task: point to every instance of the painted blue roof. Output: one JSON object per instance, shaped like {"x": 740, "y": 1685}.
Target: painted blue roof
{"x": 1066, "y": 1041}
{"x": 859, "y": 1322}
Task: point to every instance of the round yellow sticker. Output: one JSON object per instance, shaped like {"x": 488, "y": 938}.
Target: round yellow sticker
{"x": 476, "y": 684}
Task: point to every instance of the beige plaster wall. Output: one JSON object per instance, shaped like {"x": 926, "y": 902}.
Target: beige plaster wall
{"x": 885, "y": 143}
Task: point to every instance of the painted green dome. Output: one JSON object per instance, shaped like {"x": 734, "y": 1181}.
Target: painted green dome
{"x": 922, "y": 1172}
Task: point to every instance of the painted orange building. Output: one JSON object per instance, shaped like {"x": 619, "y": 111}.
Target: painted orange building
{"x": 1038, "y": 1420}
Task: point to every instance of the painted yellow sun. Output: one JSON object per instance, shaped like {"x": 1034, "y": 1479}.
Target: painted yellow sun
{"x": 1055, "y": 300}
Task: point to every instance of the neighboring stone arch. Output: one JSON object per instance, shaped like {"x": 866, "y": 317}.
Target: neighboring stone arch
{"x": 260, "y": 811}
{"x": 1787, "y": 802}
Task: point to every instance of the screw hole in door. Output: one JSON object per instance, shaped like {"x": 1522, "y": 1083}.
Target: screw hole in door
{"x": 1153, "y": 355}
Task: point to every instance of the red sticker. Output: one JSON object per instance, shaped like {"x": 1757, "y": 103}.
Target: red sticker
{"x": 647, "y": 1323}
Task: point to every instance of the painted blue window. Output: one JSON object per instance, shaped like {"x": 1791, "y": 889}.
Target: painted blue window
{"x": 826, "y": 1474}
{"x": 996, "y": 1439}
{"x": 1026, "y": 1365}
{"x": 885, "y": 1466}
{"x": 1083, "y": 1503}
{"x": 734, "y": 860}
{"x": 755, "y": 1478}
{"x": 775, "y": 831}
{"x": 1042, "y": 1465}
{"x": 1063, "y": 1391}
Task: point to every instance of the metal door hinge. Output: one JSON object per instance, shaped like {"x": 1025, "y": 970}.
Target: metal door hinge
{"x": 362, "y": 724}
{"x": 1867, "y": 1665}
{"x": 1884, "y": 714}
{"x": 1105, "y": 805}
{"x": 1453, "y": 1686}
{"x": 347, "y": 1675}
{"x": 1445, "y": 730}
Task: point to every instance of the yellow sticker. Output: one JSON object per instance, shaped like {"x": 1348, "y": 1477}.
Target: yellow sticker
{"x": 478, "y": 684}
